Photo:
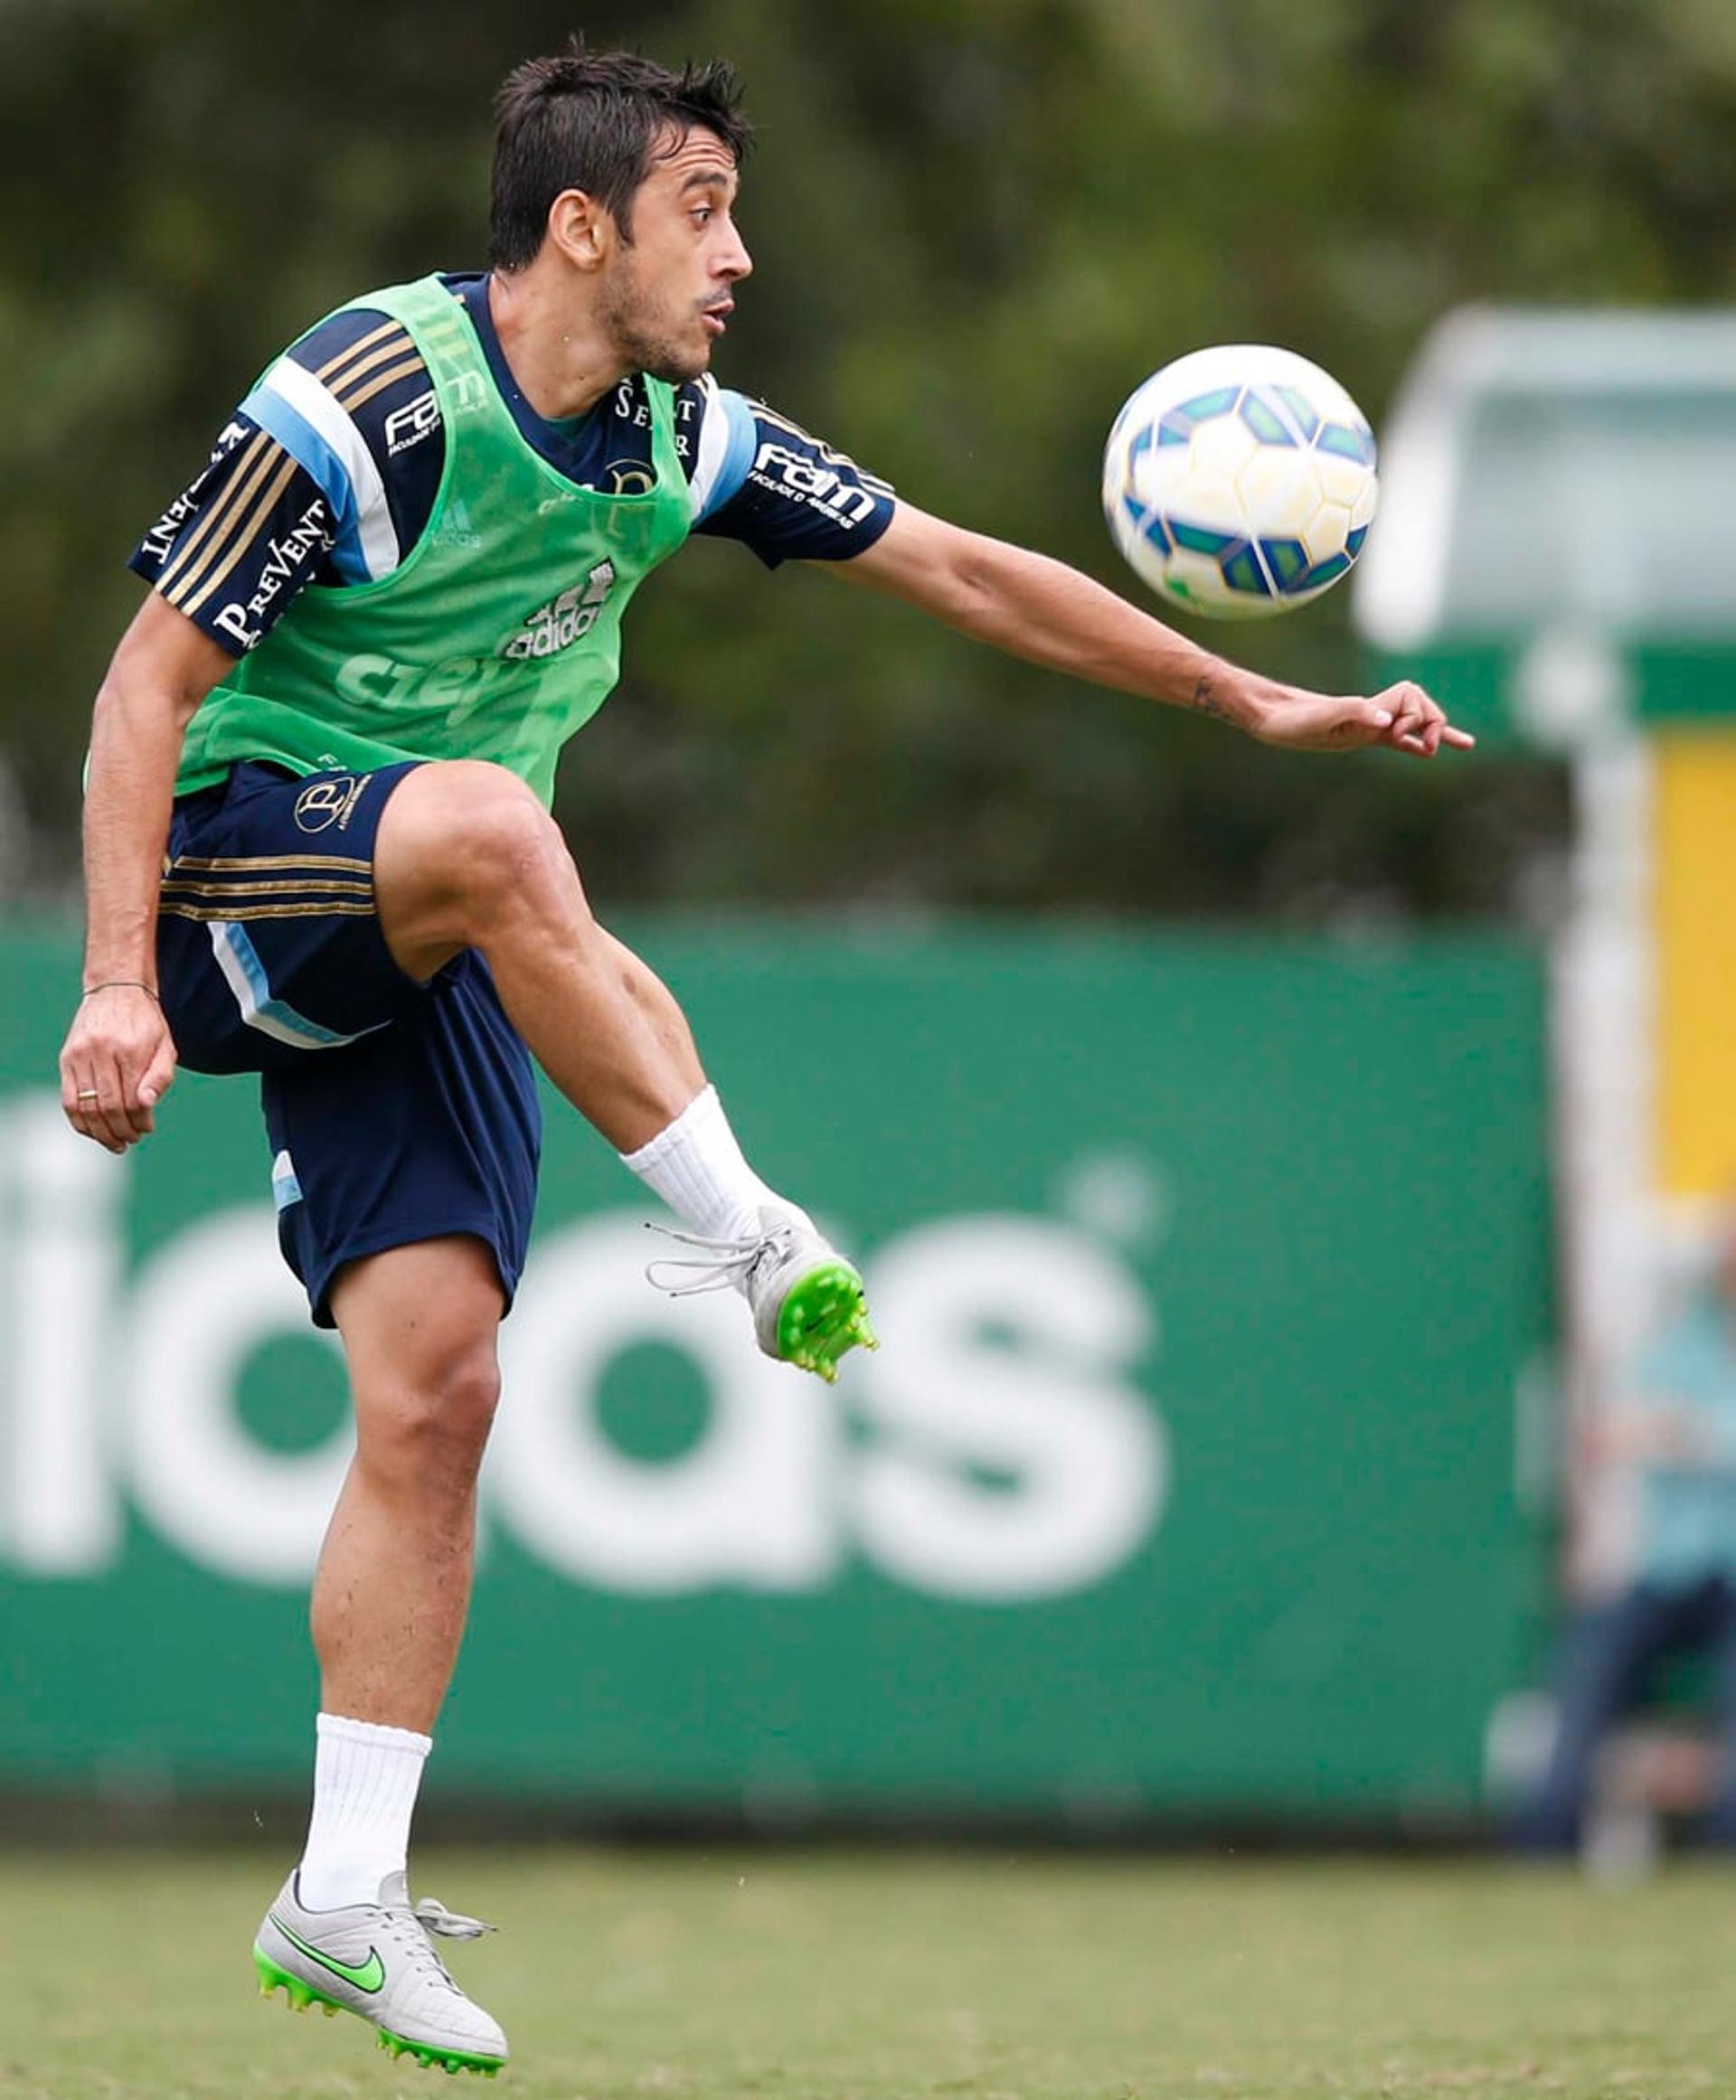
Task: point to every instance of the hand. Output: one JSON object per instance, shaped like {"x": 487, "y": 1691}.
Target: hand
{"x": 1654, "y": 1436}
{"x": 1403, "y": 717}
{"x": 115, "y": 1065}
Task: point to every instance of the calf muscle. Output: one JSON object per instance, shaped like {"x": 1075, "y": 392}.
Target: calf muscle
{"x": 392, "y": 1589}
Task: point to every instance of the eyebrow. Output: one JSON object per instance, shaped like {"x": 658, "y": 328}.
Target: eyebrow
{"x": 706, "y": 179}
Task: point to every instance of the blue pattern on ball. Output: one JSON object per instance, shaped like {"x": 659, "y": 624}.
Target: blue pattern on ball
{"x": 1288, "y": 560}
{"x": 1242, "y": 571}
{"x": 1349, "y": 444}
{"x": 1200, "y": 540}
{"x": 1263, "y": 419}
{"x": 1307, "y": 420}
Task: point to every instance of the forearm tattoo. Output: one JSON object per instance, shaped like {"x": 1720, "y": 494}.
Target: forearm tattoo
{"x": 1207, "y": 701}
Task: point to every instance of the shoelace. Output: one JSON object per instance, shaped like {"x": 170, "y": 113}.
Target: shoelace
{"x": 433, "y": 1916}
{"x": 723, "y": 1265}
{"x": 418, "y": 1947}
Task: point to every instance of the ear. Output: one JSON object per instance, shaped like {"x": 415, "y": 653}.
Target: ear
{"x": 583, "y": 230}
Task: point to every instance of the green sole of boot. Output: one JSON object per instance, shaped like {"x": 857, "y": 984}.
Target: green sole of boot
{"x": 825, "y": 1316}
{"x": 301, "y": 1995}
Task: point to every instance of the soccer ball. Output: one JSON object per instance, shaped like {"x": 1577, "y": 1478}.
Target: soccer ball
{"x": 1240, "y": 481}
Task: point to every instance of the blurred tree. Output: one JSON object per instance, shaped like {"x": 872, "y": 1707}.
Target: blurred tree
{"x": 977, "y": 224}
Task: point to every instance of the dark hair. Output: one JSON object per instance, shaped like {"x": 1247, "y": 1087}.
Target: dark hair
{"x": 594, "y": 121}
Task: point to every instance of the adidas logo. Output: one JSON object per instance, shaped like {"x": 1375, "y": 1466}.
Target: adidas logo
{"x": 564, "y": 621}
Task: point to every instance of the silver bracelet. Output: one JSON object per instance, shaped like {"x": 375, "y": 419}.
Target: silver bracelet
{"x": 118, "y": 984}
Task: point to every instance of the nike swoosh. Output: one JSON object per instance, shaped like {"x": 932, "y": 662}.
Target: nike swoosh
{"x": 369, "y": 1977}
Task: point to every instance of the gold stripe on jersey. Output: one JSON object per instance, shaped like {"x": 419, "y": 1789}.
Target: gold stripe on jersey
{"x": 351, "y": 402}
{"x": 233, "y": 508}
{"x": 269, "y": 861}
{"x": 280, "y": 886}
{"x": 243, "y": 538}
{"x": 189, "y": 578}
{"x": 343, "y": 389}
{"x": 205, "y": 914}
{"x": 191, "y": 582}
{"x": 355, "y": 349}
{"x": 254, "y": 460}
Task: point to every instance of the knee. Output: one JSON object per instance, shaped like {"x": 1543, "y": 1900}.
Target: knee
{"x": 495, "y": 849}
{"x": 429, "y": 1431}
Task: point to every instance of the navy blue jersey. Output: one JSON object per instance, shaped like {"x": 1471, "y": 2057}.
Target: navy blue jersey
{"x": 328, "y": 471}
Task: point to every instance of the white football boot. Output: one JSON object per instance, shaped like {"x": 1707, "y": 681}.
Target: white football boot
{"x": 807, "y": 1301}
{"x": 378, "y": 1959}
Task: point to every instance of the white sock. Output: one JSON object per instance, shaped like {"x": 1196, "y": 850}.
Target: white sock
{"x": 366, "y": 1777}
{"x": 697, "y": 1166}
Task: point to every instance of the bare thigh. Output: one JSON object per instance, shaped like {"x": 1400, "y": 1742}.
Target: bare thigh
{"x": 465, "y": 853}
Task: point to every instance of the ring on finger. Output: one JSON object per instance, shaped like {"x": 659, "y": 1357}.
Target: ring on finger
{"x": 88, "y": 1094}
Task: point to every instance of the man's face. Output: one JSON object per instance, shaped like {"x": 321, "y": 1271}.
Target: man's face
{"x": 668, "y": 293}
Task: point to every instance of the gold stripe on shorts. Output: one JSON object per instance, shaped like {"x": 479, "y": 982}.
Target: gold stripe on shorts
{"x": 173, "y": 908}
{"x": 245, "y": 861}
{"x": 332, "y": 886}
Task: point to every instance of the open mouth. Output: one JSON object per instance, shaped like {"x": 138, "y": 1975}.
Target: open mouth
{"x": 716, "y": 318}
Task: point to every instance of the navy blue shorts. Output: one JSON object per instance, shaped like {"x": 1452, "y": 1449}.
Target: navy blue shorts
{"x": 395, "y": 1111}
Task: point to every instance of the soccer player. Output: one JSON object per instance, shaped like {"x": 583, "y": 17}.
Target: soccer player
{"x": 317, "y": 847}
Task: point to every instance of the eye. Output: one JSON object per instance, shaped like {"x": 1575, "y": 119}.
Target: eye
{"x": 702, "y": 214}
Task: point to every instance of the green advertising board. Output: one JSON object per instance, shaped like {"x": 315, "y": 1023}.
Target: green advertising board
{"x": 1207, "y": 1272}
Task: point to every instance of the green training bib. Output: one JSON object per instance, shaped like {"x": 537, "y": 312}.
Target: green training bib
{"x": 497, "y": 637}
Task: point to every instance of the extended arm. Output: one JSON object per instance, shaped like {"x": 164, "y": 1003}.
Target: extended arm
{"x": 118, "y": 1048}
{"x": 1041, "y": 610}
{"x": 1677, "y": 1434}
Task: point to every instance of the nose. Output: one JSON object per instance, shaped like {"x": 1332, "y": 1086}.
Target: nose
{"x": 736, "y": 262}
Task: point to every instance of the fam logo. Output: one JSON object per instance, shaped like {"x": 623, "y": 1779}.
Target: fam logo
{"x": 324, "y": 803}
{"x": 564, "y": 621}
{"x": 410, "y": 424}
{"x": 829, "y": 483}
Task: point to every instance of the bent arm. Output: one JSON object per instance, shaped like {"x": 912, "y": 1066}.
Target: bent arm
{"x": 118, "y": 1057}
{"x": 1040, "y": 609}
{"x": 162, "y": 670}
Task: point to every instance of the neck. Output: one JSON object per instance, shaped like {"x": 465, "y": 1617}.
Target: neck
{"x": 560, "y": 357}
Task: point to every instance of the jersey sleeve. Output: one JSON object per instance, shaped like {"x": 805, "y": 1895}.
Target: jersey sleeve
{"x": 234, "y": 549}
{"x": 326, "y": 474}
{"x": 760, "y": 478}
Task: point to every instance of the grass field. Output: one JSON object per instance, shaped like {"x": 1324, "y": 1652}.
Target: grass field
{"x": 833, "y": 1976}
